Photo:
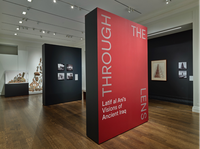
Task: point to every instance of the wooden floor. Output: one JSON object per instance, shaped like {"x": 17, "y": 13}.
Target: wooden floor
{"x": 26, "y": 124}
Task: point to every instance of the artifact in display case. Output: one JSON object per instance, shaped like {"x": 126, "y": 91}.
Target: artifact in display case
{"x": 36, "y": 84}
{"x": 16, "y": 76}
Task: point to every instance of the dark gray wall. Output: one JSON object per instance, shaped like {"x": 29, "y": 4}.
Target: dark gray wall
{"x": 174, "y": 48}
{"x": 92, "y": 76}
{"x": 56, "y": 91}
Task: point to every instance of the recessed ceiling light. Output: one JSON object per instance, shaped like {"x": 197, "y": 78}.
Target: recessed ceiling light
{"x": 81, "y": 38}
{"x": 24, "y": 12}
{"x": 29, "y": 0}
{"x": 72, "y": 7}
{"x": 15, "y": 34}
{"x": 20, "y": 22}
{"x": 17, "y": 28}
{"x": 43, "y": 32}
{"x": 54, "y": 33}
{"x": 54, "y": 1}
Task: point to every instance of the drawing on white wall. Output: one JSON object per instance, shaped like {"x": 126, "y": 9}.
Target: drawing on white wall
{"x": 36, "y": 84}
{"x": 182, "y": 74}
{"x": 69, "y": 76}
{"x": 69, "y": 67}
{"x": 61, "y": 66}
{"x": 182, "y": 65}
{"x": 61, "y": 76}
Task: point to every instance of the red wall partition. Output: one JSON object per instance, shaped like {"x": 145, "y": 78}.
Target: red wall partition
{"x": 117, "y": 78}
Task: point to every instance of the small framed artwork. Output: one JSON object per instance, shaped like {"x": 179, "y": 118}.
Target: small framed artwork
{"x": 159, "y": 70}
{"x": 61, "y": 76}
{"x": 182, "y": 65}
{"x": 69, "y": 76}
{"x": 61, "y": 66}
{"x": 182, "y": 74}
{"x": 69, "y": 67}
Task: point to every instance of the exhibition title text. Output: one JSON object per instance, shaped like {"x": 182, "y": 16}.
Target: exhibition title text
{"x": 106, "y": 57}
{"x": 139, "y": 32}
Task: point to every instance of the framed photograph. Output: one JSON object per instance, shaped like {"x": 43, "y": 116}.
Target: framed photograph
{"x": 61, "y": 66}
{"x": 159, "y": 70}
{"x": 182, "y": 74}
{"x": 69, "y": 67}
{"x": 69, "y": 76}
{"x": 182, "y": 65}
{"x": 61, "y": 76}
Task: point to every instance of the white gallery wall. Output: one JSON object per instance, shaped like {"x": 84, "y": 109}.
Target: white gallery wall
{"x": 173, "y": 17}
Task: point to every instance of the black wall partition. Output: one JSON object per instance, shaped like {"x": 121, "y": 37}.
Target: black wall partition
{"x": 174, "y": 48}
{"x": 62, "y": 77}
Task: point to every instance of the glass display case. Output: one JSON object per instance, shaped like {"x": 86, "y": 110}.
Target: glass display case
{"x": 16, "y": 77}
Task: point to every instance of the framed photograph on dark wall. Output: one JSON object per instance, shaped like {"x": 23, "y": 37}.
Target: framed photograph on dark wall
{"x": 61, "y": 76}
{"x": 159, "y": 70}
{"x": 61, "y": 66}
{"x": 182, "y": 65}
{"x": 69, "y": 76}
{"x": 69, "y": 67}
{"x": 182, "y": 74}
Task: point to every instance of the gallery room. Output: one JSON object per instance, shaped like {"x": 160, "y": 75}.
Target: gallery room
{"x": 87, "y": 74}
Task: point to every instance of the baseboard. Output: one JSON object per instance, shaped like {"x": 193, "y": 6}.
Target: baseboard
{"x": 175, "y": 100}
{"x": 195, "y": 109}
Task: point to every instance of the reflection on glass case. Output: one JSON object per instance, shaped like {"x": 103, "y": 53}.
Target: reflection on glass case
{"x": 16, "y": 76}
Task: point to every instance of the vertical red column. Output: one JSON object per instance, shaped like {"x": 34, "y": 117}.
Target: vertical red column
{"x": 122, "y": 74}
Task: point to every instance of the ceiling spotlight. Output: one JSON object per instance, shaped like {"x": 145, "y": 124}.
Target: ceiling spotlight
{"x": 15, "y": 34}
{"x": 72, "y": 7}
{"x": 24, "y": 12}
{"x": 17, "y": 28}
{"x": 54, "y": 33}
{"x": 167, "y": 1}
{"x": 69, "y": 36}
{"x": 54, "y": 1}
{"x": 43, "y": 32}
{"x": 20, "y": 22}
{"x": 129, "y": 9}
{"x": 81, "y": 38}
{"x": 29, "y": 0}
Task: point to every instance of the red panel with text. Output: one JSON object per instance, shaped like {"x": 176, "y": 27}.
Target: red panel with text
{"x": 122, "y": 74}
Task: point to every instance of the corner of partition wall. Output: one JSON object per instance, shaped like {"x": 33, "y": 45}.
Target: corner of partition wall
{"x": 43, "y": 75}
{"x": 91, "y": 76}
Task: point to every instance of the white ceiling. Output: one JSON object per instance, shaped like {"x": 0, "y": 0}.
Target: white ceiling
{"x": 60, "y": 18}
